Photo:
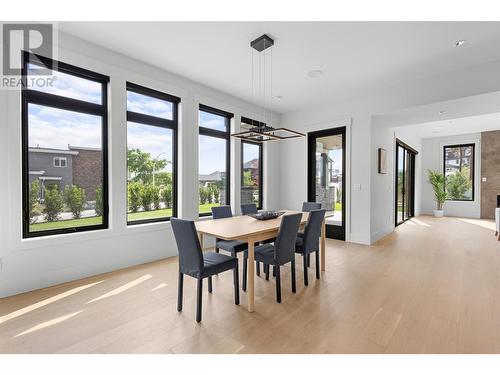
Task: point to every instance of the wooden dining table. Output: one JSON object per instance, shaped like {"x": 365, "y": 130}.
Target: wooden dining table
{"x": 247, "y": 229}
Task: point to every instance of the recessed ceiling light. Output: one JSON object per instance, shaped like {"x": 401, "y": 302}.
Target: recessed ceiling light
{"x": 460, "y": 42}
{"x": 277, "y": 98}
{"x": 441, "y": 112}
{"x": 314, "y": 73}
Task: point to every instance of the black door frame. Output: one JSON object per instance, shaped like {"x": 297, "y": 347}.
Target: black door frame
{"x": 411, "y": 207}
{"x": 332, "y": 231}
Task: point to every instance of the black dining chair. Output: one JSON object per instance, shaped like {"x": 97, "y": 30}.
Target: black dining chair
{"x": 249, "y": 208}
{"x": 232, "y": 246}
{"x": 279, "y": 253}
{"x": 309, "y": 206}
{"x": 309, "y": 242}
{"x": 193, "y": 262}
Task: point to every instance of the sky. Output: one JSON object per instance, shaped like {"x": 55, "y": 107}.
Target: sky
{"x": 56, "y": 128}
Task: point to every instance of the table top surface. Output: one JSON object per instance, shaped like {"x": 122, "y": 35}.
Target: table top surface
{"x": 237, "y": 227}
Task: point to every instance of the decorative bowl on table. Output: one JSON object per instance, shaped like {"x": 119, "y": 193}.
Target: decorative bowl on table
{"x": 267, "y": 215}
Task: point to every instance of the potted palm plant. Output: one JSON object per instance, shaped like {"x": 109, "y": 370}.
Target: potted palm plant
{"x": 437, "y": 181}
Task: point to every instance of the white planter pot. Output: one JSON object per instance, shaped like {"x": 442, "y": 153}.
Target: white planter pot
{"x": 438, "y": 213}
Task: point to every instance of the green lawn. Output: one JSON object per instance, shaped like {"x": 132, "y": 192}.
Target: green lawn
{"x": 142, "y": 215}
{"x": 66, "y": 224}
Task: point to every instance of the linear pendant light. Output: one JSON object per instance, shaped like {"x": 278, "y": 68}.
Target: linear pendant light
{"x": 260, "y": 131}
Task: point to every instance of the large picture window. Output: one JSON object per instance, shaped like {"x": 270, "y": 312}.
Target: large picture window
{"x": 459, "y": 172}
{"x": 64, "y": 136}
{"x": 151, "y": 155}
{"x": 251, "y": 173}
{"x": 213, "y": 159}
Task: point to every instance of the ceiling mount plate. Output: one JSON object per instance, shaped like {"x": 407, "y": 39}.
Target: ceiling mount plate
{"x": 261, "y": 43}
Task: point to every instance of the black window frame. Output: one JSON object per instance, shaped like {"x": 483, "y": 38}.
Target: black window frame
{"x": 149, "y": 120}
{"x": 30, "y": 96}
{"x": 261, "y": 170}
{"x": 226, "y": 135}
{"x": 473, "y": 170}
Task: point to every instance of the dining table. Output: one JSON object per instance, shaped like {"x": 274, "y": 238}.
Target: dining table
{"x": 252, "y": 231}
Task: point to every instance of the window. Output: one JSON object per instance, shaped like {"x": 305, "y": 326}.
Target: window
{"x": 459, "y": 172}
{"x": 151, "y": 155}
{"x": 60, "y": 162}
{"x": 213, "y": 159}
{"x": 64, "y": 135}
{"x": 251, "y": 173}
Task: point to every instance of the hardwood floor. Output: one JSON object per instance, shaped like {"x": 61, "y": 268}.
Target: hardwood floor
{"x": 430, "y": 287}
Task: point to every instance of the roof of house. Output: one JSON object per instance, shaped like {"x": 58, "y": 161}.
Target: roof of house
{"x": 252, "y": 164}
{"x": 214, "y": 176}
{"x": 44, "y": 150}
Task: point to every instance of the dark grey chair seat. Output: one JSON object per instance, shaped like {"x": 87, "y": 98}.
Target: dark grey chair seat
{"x": 264, "y": 253}
{"x": 233, "y": 246}
{"x": 214, "y": 263}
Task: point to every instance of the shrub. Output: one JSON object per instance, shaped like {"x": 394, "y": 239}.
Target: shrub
{"x": 167, "y": 196}
{"x": 53, "y": 203}
{"x": 155, "y": 191}
{"x": 216, "y": 193}
{"x": 35, "y": 208}
{"x": 147, "y": 197}
{"x": 135, "y": 196}
{"x": 74, "y": 198}
{"x": 203, "y": 195}
{"x": 98, "y": 201}
{"x": 457, "y": 184}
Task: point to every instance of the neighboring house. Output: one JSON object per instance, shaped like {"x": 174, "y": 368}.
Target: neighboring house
{"x": 87, "y": 169}
{"x": 212, "y": 178}
{"x": 76, "y": 166}
{"x": 50, "y": 166}
{"x": 253, "y": 167}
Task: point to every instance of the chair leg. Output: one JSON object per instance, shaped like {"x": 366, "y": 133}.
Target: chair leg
{"x": 257, "y": 265}
{"x": 236, "y": 282}
{"x": 199, "y": 294}
{"x": 216, "y": 249}
{"x": 180, "y": 290}
{"x": 266, "y": 269}
{"x": 244, "y": 286}
{"x": 309, "y": 260}
{"x": 210, "y": 284}
{"x": 306, "y": 281}
{"x": 294, "y": 287}
{"x": 274, "y": 271}
{"x": 278, "y": 285}
{"x": 317, "y": 265}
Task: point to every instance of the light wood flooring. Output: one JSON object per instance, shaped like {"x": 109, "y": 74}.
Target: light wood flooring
{"x": 433, "y": 286}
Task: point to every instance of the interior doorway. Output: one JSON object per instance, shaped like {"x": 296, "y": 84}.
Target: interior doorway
{"x": 405, "y": 182}
{"x": 326, "y": 176}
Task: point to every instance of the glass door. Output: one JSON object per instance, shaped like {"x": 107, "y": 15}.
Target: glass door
{"x": 405, "y": 182}
{"x": 326, "y": 170}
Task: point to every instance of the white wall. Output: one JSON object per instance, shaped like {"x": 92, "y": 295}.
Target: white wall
{"x": 432, "y": 152}
{"x": 40, "y": 262}
{"x": 370, "y": 212}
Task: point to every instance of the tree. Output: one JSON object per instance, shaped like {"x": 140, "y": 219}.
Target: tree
{"x": 203, "y": 195}
{"x": 457, "y": 184}
{"x": 98, "y": 201}
{"x": 34, "y": 205}
{"x": 53, "y": 203}
{"x": 215, "y": 193}
{"x": 437, "y": 180}
{"x": 141, "y": 165}
{"x": 167, "y": 196}
{"x": 155, "y": 191}
{"x": 74, "y": 198}
{"x": 247, "y": 178}
{"x": 135, "y": 196}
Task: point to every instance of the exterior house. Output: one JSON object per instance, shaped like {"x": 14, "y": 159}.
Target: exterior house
{"x": 212, "y": 178}
{"x": 75, "y": 166}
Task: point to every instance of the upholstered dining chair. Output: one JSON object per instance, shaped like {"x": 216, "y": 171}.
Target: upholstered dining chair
{"x": 309, "y": 206}
{"x": 309, "y": 242}
{"x": 249, "y": 208}
{"x": 193, "y": 262}
{"x": 279, "y": 253}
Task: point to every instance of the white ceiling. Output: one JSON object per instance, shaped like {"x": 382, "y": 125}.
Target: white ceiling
{"x": 354, "y": 56}
{"x": 458, "y": 126}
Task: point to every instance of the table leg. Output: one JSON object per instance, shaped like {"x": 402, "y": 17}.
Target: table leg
{"x": 251, "y": 275}
{"x": 200, "y": 237}
{"x": 323, "y": 245}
